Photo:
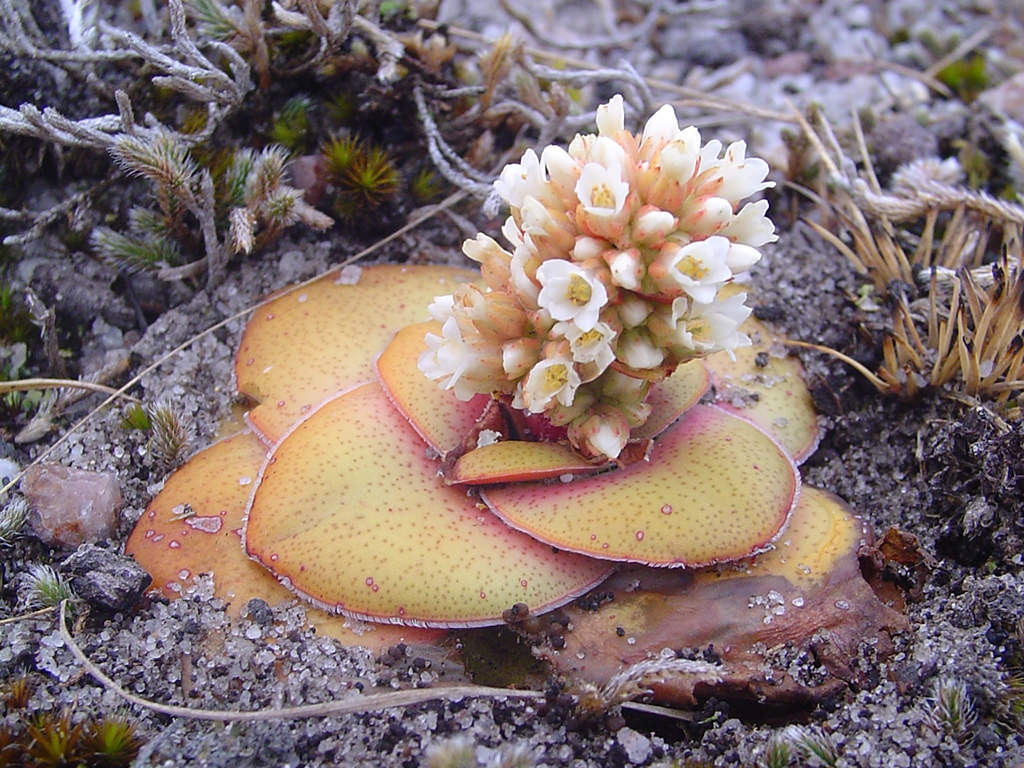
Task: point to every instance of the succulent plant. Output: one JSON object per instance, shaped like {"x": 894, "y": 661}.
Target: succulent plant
{"x": 375, "y": 494}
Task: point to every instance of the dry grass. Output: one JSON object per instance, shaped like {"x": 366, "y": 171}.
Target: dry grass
{"x": 948, "y": 262}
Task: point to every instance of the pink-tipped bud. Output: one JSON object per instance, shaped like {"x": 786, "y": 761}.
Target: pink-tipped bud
{"x": 604, "y": 431}
{"x": 636, "y": 350}
{"x": 519, "y": 356}
{"x": 589, "y": 248}
{"x": 627, "y": 268}
{"x": 493, "y": 259}
{"x": 651, "y": 225}
{"x": 563, "y": 171}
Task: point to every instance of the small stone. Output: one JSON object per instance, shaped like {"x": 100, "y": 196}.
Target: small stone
{"x": 71, "y": 506}
{"x": 105, "y": 579}
{"x": 259, "y": 611}
{"x": 636, "y": 745}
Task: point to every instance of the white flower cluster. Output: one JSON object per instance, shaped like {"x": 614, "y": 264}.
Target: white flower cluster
{"x": 620, "y": 247}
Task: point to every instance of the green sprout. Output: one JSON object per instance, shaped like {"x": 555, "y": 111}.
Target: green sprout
{"x": 951, "y": 709}
{"x": 45, "y": 587}
{"x": 13, "y": 517}
{"x": 111, "y": 741}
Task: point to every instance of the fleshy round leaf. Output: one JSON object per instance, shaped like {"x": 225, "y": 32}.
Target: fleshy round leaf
{"x": 436, "y": 414}
{"x": 317, "y": 340}
{"x": 354, "y": 516}
{"x": 670, "y": 398}
{"x": 517, "y": 460}
{"x": 767, "y": 387}
{"x": 716, "y": 488}
{"x": 809, "y": 584}
{"x": 194, "y": 525}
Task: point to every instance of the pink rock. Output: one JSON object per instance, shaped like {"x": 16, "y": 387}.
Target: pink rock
{"x": 71, "y": 506}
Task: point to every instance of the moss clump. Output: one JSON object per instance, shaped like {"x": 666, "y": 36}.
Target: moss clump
{"x": 965, "y": 77}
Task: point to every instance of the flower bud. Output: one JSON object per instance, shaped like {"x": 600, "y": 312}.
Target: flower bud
{"x": 563, "y": 171}
{"x": 519, "y": 356}
{"x": 587, "y": 248}
{"x": 611, "y": 117}
{"x": 493, "y": 259}
{"x": 636, "y": 350}
{"x": 632, "y": 311}
{"x": 706, "y": 218}
{"x": 660, "y": 129}
{"x": 627, "y": 268}
{"x": 604, "y": 431}
{"x": 651, "y": 225}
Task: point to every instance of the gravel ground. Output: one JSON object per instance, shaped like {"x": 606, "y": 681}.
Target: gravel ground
{"x": 894, "y": 462}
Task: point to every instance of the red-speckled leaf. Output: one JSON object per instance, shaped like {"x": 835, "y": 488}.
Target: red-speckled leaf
{"x": 805, "y": 595}
{"x": 354, "y": 516}
{"x": 194, "y": 525}
{"x": 767, "y": 387}
{"x": 437, "y": 415}
{"x": 670, "y": 398}
{"x": 518, "y": 460}
{"x": 716, "y": 488}
{"x": 317, "y": 340}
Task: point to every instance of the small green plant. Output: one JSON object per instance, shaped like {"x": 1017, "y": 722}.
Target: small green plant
{"x": 136, "y": 417}
{"x": 372, "y": 178}
{"x": 364, "y": 175}
{"x": 239, "y": 197}
{"x": 290, "y": 127}
{"x": 339, "y": 154}
{"x": 812, "y": 744}
{"x": 111, "y": 741}
{"x": 170, "y": 441}
{"x": 425, "y": 186}
{"x": 965, "y": 77}
{"x": 778, "y": 753}
{"x": 55, "y": 740}
{"x": 13, "y": 517}
{"x": 45, "y": 587}
{"x": 951, "y": 709}
{"x": 17, "y": 692}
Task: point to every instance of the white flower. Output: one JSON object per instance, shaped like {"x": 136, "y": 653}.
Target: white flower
{"x": 741, "y": 257}
{"x": 741, "y": 176}
{"x": 679, "y": 157}
{"x": 699, "y": 268}
{"x": 751, "y": 226}
{"x": 592, "y": 349}
{"x": 442, "y": 307}
{"x": 611, "y": 117}
{"x": 550, "y": 379}
{"x": 517, "y": 180}
{"x": 707, "y": 328}
{"x": 708, "y": 218}
{"x": 466, "y": 365}
{"x": 651, "y": 224}
{"x": 569, "y": 293}
{"x": 601, "y": 190}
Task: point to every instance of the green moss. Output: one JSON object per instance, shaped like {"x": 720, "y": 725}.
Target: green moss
{"x": 290, "y": 128}
{"x": 425, "y": 186}
{"x": 136, "y": 417}
{"x": 15, "y": 323}
{"x": 965, "y": 77}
